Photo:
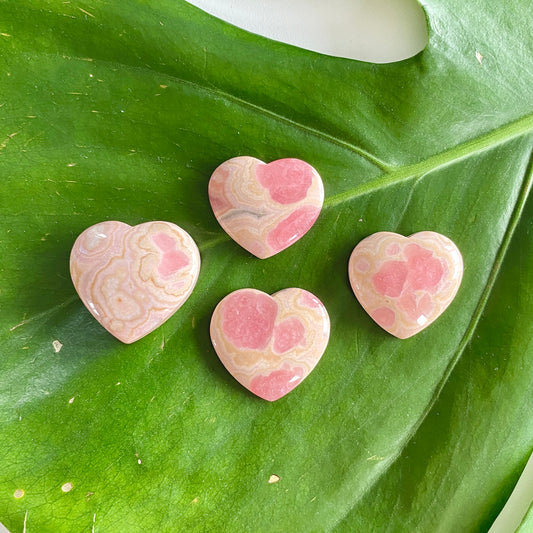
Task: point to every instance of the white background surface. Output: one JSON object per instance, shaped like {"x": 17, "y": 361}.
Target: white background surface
{"x": 379, "y": 31}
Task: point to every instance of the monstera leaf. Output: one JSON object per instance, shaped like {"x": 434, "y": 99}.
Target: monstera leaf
{"x": 121, "y": 111}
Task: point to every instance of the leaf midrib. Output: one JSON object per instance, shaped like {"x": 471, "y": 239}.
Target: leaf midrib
{"x": 482, "y": 143}
{"x": 479, "y": 144}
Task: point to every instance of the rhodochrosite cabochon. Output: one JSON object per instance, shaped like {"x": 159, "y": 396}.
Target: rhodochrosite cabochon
{"x": 270, "y": 344}
{"x": 266, "y": 207}
{"x": 132, "y": 279}
{"x": 405, "y": 283}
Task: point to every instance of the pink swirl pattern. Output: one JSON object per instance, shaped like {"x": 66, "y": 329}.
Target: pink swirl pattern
{"x": 132, "y": 279}
{"x": 266, "y": 207}
{"x": 405, "y": 283}
{"x": 270, "y": 344}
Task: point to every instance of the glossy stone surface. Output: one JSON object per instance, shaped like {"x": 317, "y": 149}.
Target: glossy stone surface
{"x": 405, "y": 283}
{"x": 132, "y": 279}
{"x": 270, "y": 344}
{"x": 266, "y": 207}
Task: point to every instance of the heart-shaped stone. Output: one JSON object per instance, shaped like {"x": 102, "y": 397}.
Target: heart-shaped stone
{"x": 270, "y": 344}
{"x": 266, "y": 207}
{"x": 405, "y": 283}
{"x": 132, "y": 279}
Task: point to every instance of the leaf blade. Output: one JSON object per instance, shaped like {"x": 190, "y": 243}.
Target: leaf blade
{"x": 207, "y": 448}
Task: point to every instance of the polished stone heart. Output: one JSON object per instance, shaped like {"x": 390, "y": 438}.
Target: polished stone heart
{"x": 405, "y": 283}
{"x": 132, "y": 279}
{"x": 266, "y": 207}
{"x": 270, "y": 344}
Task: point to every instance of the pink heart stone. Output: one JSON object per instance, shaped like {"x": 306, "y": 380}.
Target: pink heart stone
{"x": 270, "y": 344}
{"x": 405, "y": 283}
{"x": 132, "y": 279}
{"x": 266, "y": 207}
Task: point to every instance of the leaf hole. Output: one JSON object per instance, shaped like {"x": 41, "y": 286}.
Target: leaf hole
{"x": 380, "y": 31}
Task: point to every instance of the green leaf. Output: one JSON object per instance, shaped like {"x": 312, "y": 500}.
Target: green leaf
{"x": 121, "y": 110}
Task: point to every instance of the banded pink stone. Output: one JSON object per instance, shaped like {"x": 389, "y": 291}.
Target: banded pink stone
{"x": 405, "y": 283}
{"x": 132, "y": 279}
{"x": 270, "y": 344}
{"x": 266, "y": 207}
